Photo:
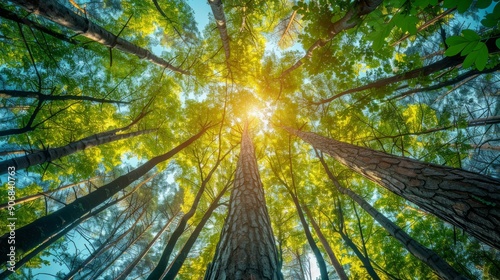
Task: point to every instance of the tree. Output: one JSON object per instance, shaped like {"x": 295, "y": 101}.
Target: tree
{"x": 246, "y": 248}
{"x": 405, "y": 93}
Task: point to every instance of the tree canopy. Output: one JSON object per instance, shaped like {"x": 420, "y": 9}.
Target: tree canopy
{"x": 374, "y": 125}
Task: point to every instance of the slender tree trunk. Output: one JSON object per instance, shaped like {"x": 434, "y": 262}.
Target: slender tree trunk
{"x": 442, "y": 64}
{"x": 55, "y": 153}
{"x": 465, "y": 199}
{"x": 220, "y": 20}
{"x": 5, "y": 93}
{"x": 143, "y": 253}
{"x": 350, "y": 20}
{"x": 177, "y": 263}
{"x": 107, "y": 244}
{"x": 317, "y": 253}
{"x": 43, "y": 194}
{"x": 246, "y": 248}
{"x": 58, "y": 13}
{"x": 335, "y": 262}
{"x": 429, "y": 257}
{"x": 13, "y": 17}
{"x": 49, "y": 241}
{"x": 450, "y": 82}
{"x": 159, "y": 270}
{"x": 36, "y": 232}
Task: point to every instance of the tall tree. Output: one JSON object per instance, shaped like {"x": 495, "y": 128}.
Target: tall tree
{"x": 465, "y": 199}
{"x": 246, "y": 247}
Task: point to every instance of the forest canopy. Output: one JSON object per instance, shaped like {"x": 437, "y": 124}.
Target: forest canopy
{"x": 338, "y": 139}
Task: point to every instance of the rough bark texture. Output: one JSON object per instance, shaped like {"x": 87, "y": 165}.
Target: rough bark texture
{"x": 220, "y": 19}
{"x": 429, "y": 257}
{"x": 350, "y": 20}
{"x": 33, "y": 234}
{"x": 246, "y": 249}
{"x": 58, "y": 13}
{"x": 56, "y": 153}
{"x": 465, "y": 199}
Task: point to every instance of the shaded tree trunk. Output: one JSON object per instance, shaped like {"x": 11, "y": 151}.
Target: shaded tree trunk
{"x": 442, "y": 64}
{"x": 465, "y": 199}
{"x": 36, "y": 232}
{"x": 49, "y": 241}
{"x": 429, "y": 257}
{"x": 5, "y": 93}
{"x": 177, "y": 263}
{"x": 335, "y": 262}
{"x": 44, "y": 194}
{"x": 246, "y": 248}
{"x": 55, "y": 153}
{"x": 146, "y": 249}
{"x": 58, "y": 13}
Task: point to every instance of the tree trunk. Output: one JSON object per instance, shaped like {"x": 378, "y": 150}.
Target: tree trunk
{"x": 246, "y": 248}
{"x": 335, "y": 262}
{"x": 43, "y": 194}
{"x": 62, "y": 233}
{"x": 146, "y": 249}
{"x": 5, "y": 93}
{"x": 429, "y": 257}
{"x": 55, "y": 153}
{"x": 465, "y": 199}
{"x": 442, "y": 64}
{"x": 220, "y": 20}
{"x": 108, "y": 243}
{"x": 58, "y": 13}
{"x": 177, "y": 263}
{"x": 33, "y": 234}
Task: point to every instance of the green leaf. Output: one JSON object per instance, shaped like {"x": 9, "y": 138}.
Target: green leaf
{"x": 455, "y": 40}
{"x": 470, "y": 59}
{"x": 489, "y": 22}
{"x": 469, "y": 48}
{"x": 497, "y": 42}
{"x": 483, "y": 4}
{"x": 471, "y": 35}
{"x": 482, "y": 57}
{"x": 463, "y": 5}
{"x": 456, "y": 49}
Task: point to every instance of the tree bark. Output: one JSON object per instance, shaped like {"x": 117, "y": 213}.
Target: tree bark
{"x": 220, "y": 20}
{"x": 465, "y": 199}
{"x": 246, "y": 248}
{"x": 58, "y": 13}
{"x": 33, "y": 234}
{"x": 55, "y": 153}
{"x": 429, "y": 257}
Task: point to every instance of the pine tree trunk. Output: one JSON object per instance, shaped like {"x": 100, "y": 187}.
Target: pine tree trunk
{"x": 55, "y": 153}
{"x": 58, "y": 13}
{"x": 33, "y": 234}
{"x": 429, "y": 257}
{"x": 465, "y": 199}
{"x": 246, "y": 248}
